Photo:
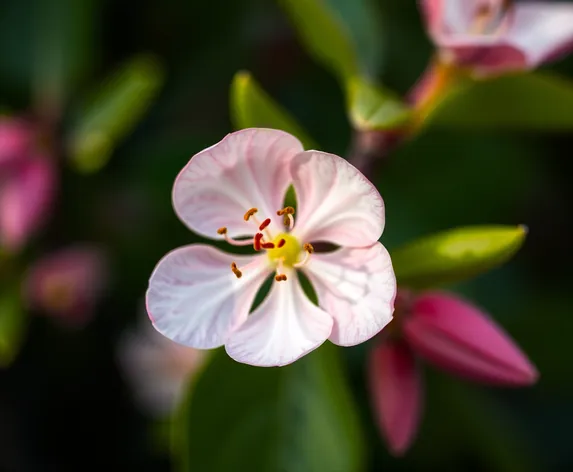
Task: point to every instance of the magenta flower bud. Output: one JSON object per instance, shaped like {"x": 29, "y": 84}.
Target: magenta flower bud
{"x": 492, "y": 37}
{"x": 66, "y": 284}
{"x": 396, "y": 393}
{"x": 16, "y": 138}
{"x": 25, "y": 200}
{"x": 457, "y": 337}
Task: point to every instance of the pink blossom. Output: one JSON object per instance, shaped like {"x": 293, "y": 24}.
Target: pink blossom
{"x": 66, "y": 284}
{"x": 16, "y": 139}
{"x": 449, "y": 333}
{"x": 234, "y": 191}
{"x": 491, "y": 37}
{"x": 157, "y": 368}
{"x": 26, "y": 195}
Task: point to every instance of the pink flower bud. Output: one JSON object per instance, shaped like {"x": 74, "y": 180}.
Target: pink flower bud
{"x": 66, "y": 284}
{"x": 396, "y": 393}
{"x": 16, "y": 137}
{"x": 25, "y": 200}
{"x": 459, "y": 338}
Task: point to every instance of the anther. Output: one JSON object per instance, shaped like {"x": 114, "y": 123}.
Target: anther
{"x": 264, "y": 224}
{"x": 257, "y": 241}
{"x": 286, "y": 211}
{"x": 236, "y": 270}
{"x": 250, "y": 213}
{"x": 268, "y": 245}
{"x": 280, "y": 277}
{"x": 309, "y": 250}
{"x": 281, "y": 243}
{"x": 222, "y": 230}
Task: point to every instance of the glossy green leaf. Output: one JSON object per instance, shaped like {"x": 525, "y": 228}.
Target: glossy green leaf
{"x": 324, "y": 34}
{"x": 113, "y": 112}
{"x": 455, "y": 255}
{"x": 252, "y": 107}
{"x": 12, "y": 324}
{"x": 294, "y": 418}
{"x": 521, "y": 102}
{"x": 373, "y": 108}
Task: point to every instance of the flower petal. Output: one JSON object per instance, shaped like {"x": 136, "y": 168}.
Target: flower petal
{"x": 396, "y": 393}
{"x": 457, "y": 337}
{"x": 195, "y": 299}
{"x": 335, "y": 202}
{"x": 25, "y": 200}
{"x": 357, "y": 288}
{"x": 285, "y": 327}
{"x": 249, "y": 168}
{"x": 542, "y": 30}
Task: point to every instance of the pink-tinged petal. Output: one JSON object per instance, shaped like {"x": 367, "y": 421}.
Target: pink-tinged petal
{"x": 195, "y": 299}
{"x": 458, "y": 337}
{"x": 25, "y": 201}
{"x": 357, "y": 287}
{"x": 432, "y": 12}
{"x": 16, "y": 137}
{"x": 542, "y": 30}
{"x": 457, "y": 16}
{"x": 396, "y": 393}
{"x": 66, "y": 284}
{"x": 490, "y": 59}
{"x": 335, "y": 202}
{"x": 247, "y": 169}
{"x": 285, "y": 327}
{"x": 157, "y": 368}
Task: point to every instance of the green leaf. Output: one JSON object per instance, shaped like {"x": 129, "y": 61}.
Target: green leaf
{"x": 371, "y": 107}
{"x": 64, "y": 49}
{"x": 297, "y": 418}
{"x": 252, "y": 107}
{"x": 324, "y": 34}
{"x": 12, "y": 324}
{"x": 521, "y": 102}
{"x": 455, "y": 255}
{"x": 113, "y": 112}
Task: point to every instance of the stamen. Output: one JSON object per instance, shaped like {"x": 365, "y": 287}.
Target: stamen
{"x": 257, "y": 241}
{"x": 250, "y": 213}
{"x": 288, "y": 221}
{"x": 264, "y": 224}
{"x": 280, "y": 277}
{"x": 281, "y": 243}
{"x": 309, "y": 250}
{"x": 222, "y": 230}
{"x": 236, "y": 270}
{"x": 268, "y": 245}
{"x": 286, "y": 211}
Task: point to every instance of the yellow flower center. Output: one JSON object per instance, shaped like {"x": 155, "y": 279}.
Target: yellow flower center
{"x": 288, "y": 252}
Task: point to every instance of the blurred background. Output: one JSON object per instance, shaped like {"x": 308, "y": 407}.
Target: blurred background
{"x": 69, "y": 396}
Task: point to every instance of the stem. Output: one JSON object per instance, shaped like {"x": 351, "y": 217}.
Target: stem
{"x": 372, "y": 147}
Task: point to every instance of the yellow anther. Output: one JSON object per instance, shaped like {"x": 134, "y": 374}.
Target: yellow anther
{"x": 250, "y": 213}
{"x": 286, "y": 211}
{"x": 236, "y": 270}
{"x": 222, "y": 230}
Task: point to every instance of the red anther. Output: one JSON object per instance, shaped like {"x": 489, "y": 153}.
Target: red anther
{"x": 257, "y": 241}
{"x": 264, "y": 224}
{"x": 268, "y": 246}
{"x": 281, "y": 243}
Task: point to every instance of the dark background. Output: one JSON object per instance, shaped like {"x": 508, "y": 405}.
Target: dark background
{"x": 64, "y": 404}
